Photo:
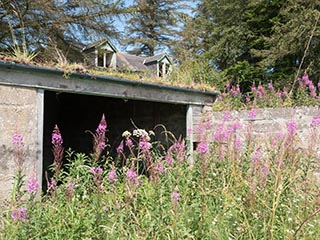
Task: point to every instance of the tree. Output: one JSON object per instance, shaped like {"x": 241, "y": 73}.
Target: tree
{"x": 231, "y": 32}
{"x": 152, "y": 25}
{"x": 295, "y": 42}
{"x": 48, "y": 26}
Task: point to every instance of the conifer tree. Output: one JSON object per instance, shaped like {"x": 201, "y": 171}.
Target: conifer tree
{"x": 59, "y": 25}
{"x": 152, "y": 25}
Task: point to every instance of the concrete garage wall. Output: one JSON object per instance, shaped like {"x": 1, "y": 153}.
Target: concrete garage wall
{"x": 19, "y": 111}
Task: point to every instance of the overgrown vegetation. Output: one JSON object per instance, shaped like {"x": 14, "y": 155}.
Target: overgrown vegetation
{"x": 266, "y": 95}
{"x": 238, "y": 187}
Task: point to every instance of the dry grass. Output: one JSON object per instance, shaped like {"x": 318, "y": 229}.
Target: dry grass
{"x": 69, "y": 68}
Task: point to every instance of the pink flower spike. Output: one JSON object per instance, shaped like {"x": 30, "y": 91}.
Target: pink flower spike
{"x": 33, "y": 185}
{"x": 112, "y": 176}
{"x": 175, "y": 197}
{"x": 203, "y": 148}
{"x": 120, "y": 147}
{"x": 315, "y": 122}
{"x": 131, "y": 177}
{"x": 292, "y": 127}
{"x": 252, "y": 114}
{"x": 20, "y": 214}
{"x": 17, "y": 140}
{"x": 56, "y": 138}
{"x": 102, "y": 127}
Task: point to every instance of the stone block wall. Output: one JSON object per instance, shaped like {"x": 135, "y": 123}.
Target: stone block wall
{"x": 18, "y": 114}
{"x": 267, "y": 122}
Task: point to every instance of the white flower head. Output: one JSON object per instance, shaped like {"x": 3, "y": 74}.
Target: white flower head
{"x": 126, "y": 134}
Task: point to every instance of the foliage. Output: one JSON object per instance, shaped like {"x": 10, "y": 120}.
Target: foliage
{"x": 236, "y": 189}
{"x": 194, "y": 73}
{"x": 49, "y": 25}
{"x": 152, "y": 25}
{"x": 266, "y": 95}
{"x": 251, "y": 41}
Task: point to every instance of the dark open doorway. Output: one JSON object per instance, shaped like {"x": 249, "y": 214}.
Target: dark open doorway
{"x": 75, "y": 114}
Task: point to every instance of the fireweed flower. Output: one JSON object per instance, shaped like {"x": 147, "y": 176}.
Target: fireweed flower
{"x": 257, "y": 156}
{"x": 57, "y": 149}
{"x": 178, "y": 149}
{"x": 144, "y": 145}
{"x": 175, "y": 196}
{"x": 315, "y": 122}
{"x": 19, "y": 214}
{"x": 169, "y": 158}
{"x": 120, "y": 147}
{"x": 129, "y": 143}
{"x": 99, "y": 138}
{"x": 159, "y": 168}
{"x": 96, "y": 170}
{"x": 270, "y": 86}
{"x": 237, "y": 144}
{"x": 292, "y": 127}
{"x": 202, "y": 148}
{"x": 112, "y": 176}
{"x": 132, "y": 178}
{"x": 52, "y": 184}
{"x": 226, "y": 116}
{"x": 17, "y": 140}
{"x": 248, "y": 99}
{"x": 102, "y": 127}
{"x": 252, "y": 114}
{"x": 32, "y": 185}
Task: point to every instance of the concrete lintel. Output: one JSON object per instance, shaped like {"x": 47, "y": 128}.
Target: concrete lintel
{"x": 51, "y": 79}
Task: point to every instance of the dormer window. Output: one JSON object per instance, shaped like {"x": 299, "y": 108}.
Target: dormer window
{"x": 105, "y": 59}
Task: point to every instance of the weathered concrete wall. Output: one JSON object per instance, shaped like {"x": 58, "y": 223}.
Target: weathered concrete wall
{"x": 18, "y": 114}
{"x": 268, "y": 121}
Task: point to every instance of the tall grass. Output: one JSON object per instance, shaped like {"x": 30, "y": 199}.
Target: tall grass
{"x": 238, "y": 188}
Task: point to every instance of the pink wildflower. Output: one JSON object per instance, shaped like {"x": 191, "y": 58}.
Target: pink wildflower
{"x": 144, "y": 145}
{"x": 112, "y": 176}
{"x": 252, "y": 114}
{"x": 237, "y": 144}
{"x": 33, "y": 185}
{"x": 57, "y": 149}
{"x": 102, "y": 127}
{"x": 129, "y": 143}
{"x": 17, "y": 140}
{"x": 292, "y": 127}
{"x": 131, "y": 177}
{"x": 226, "y": 116}
{"x": 20, "y": 214}
{"x": 169, "y": 158}
{"x": 270, "y": 86}
{"x": 315, "y": 122}
{"x": 257, "y": 156}
{"x": 202, "y": 148}
{"x": 120, "y": 147}
{"x": 56, "y": 138}
{"x": 175, "y": 197}
{"x": 159, "y": 168}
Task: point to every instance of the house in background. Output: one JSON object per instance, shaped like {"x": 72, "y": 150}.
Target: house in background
{"x": 104, "y": 54}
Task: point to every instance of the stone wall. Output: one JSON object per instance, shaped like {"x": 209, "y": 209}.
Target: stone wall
{"x": 18, "y": 114}
{"x": 268, "y": 121}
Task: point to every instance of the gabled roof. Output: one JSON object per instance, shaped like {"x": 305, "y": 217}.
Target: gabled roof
{"x": 157, "y": 58}
{"x": 131, "y": 62}
{"x": 98, "y": 44}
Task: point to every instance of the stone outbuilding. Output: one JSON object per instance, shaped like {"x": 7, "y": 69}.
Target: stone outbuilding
{"x": 33, "y": 99}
